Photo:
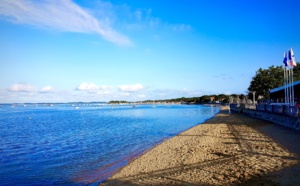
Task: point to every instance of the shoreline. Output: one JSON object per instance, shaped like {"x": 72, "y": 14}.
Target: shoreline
{"x": 227, "y": 149}
{"x": 132, "y": 157}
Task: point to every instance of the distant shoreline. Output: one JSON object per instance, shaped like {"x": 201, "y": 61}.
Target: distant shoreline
{"x": 106, "y": 103}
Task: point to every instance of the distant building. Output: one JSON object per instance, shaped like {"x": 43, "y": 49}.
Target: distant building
{"x": 277, "y": 94}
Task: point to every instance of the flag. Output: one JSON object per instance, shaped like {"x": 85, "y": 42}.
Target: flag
{"x": 292, "y": 58}
{"x": 285, "y": 59}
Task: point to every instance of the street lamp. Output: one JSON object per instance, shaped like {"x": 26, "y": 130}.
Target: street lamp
{"x": 253, "y": 97}
{"x": 229, "y": 104}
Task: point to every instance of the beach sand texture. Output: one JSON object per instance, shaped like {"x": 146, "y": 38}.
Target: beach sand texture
{"x": 229, "y": 149}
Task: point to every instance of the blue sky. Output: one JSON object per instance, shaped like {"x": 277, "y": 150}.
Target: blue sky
{"x": 63, "y": 50}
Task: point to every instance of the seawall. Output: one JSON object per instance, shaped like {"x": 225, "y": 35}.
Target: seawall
{"x": 291, "y": 121}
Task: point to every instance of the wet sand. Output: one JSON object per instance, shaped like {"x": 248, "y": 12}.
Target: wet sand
{"x": 229, "y": 149}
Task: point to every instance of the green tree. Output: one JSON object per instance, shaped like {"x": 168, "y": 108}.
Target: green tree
{"x": 222, "y": 98}
{"x": 205, "y": 99}
{"x": 267, "y": 79}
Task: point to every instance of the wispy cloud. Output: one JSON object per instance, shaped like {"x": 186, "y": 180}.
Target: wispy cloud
{"x": 91, "y": 87}
{"x": 21, "y": 87}
{"x": 143, "y": 19}
{"x": 180, "y": 27}
{"x": 47, "y": 89}
{"x": 62, "y": 15}
{"x": 131, "y": 88}
{"x": 176, "y": 93}
{"x": 222, "y": 76}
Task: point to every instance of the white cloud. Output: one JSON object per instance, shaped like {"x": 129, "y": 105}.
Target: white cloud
{"x": 24, "y": 92}
{"x": 47, "y": 89}
{"x": 142, "y": 19}
{"x": 87, "y": 87}
{"x": 91, "y": 87}
{"x": 62, "y": 15}
{"x": 131, "y": 88}
{"x": 21, "y": 87}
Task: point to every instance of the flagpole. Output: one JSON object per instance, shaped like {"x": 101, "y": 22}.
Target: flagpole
{"x": 293, "y": 63}
{"x": 286, "y": 78}
{"x": 288, "y": 85}
{"x": 290, "y": 88}
{"x": 292, "y": 85}
{"x": 285, "y": 84}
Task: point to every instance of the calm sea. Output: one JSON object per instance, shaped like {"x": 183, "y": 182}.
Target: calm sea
{"x": 64, "y": 144}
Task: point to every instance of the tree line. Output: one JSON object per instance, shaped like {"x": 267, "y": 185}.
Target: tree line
{"x": 220, "y": 98}
{"x": 266, "y": 79}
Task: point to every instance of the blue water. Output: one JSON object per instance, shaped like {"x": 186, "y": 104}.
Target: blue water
{"x": 50, "y": 145}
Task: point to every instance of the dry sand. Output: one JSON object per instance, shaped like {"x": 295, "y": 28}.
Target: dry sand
{"x": 229, "y": 149}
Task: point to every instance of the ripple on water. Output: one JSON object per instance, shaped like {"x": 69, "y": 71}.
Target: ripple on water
{"x": 67, "y": 146}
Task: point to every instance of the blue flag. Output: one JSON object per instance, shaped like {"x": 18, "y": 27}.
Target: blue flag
{"x": 285, "y": 59}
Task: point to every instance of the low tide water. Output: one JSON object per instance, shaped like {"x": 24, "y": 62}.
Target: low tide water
{"x": 64, "y": 144}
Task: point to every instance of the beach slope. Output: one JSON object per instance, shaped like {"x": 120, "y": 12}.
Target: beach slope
{"x": 229, "y": 149}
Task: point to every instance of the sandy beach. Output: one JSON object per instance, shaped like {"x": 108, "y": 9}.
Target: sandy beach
{"x": 229, "y": 149}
